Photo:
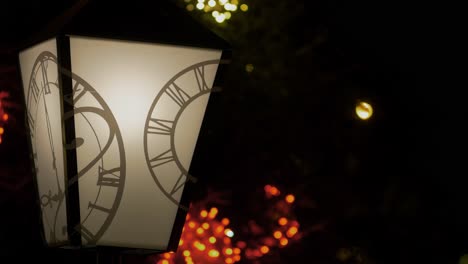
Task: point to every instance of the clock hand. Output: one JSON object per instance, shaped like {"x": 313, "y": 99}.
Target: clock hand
{"x": 51, "y": 142}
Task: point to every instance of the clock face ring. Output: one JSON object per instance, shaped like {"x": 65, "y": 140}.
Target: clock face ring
{"x": 102, "y": 172}
{"x": 185, "y": 89}
{"x": 43, "y": 90}
{"x": 97, "y": 170}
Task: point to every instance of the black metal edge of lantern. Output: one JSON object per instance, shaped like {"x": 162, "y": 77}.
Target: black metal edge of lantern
{"x": 72, "y": 197}
{"x": 36, "y": 208}
{"x": 190, "y": 187}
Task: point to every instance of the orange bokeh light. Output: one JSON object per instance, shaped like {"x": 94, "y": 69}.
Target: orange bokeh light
{"x": 200, "y": 230}
{"x": 237, "y": 257}
{"x": 237, "y": 251}
{"x": 225, "y": 221}
{"x": 229, "y": 261}
{"x": 203, "y": 213}
{"x": 274, "y": 191}
{"x": 282, "y": 221}
{"x": 264, "y": 249}
{"x": 205, "y": 225}
{"x": 2, "y": 130}
{"x": 199, "y": 245}
{"x": 213, "y": 253}
{"x": 212, "y": 240}
{"x": 284, "y": 241}
{"x": 290, "y": 198}
{"x": 292, "y": 231}
{"x": 167, "y": 255}
{"x": 5, "y": 117}
{"x": 219, "y": 229}
{"x": 277, "y": 234}
{"x": 191, "y": 224}
{"x": 213, "y": 212}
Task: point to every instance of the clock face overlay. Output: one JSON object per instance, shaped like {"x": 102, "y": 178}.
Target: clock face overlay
{"x": 99, "y": 204}
{"x": 186, "y": 94}
{"x": 43, "y": 116}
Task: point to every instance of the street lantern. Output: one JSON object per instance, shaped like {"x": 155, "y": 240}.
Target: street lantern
{"x": 115, "y": 96}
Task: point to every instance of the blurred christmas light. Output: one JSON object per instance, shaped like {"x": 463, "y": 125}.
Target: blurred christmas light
{"x": 4, "y": 116}
{"x": 282, "y": 221}
{"x": 364, "y": 110}
{"x": 200, "y": 5}
{"x": 290, "y": 198}
{"x": 220, "y": 10}
{"x": 208, "y": 238}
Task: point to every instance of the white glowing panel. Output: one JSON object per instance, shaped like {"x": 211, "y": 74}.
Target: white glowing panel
{"x": 39, "y": 73}
{"x": 138, "y": 112}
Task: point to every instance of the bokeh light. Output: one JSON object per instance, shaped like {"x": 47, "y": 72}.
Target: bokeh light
{"x": 364, "y": 110}
{"x": 220, "y": 10}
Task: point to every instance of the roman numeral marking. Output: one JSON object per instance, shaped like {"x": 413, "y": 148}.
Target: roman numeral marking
{"x": 31, "y": 123}
{"x": 109, "y": 177}
{"x": 160, "y": 126}
{"x": 100, "y": 208}
{"x": 85, "y": 233}
{"x": 177, "y": 94}
{"x": 34, "y": 90}
{"x": 45, "y": 80}
{"x": 161, "y": 159}
{"x": 200, "y": 75}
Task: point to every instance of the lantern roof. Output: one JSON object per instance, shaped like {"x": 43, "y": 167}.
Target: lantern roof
{"x": 137, "y": 20}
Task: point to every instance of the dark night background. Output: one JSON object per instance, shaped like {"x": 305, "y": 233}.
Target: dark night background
{"x": 393, "y": 186}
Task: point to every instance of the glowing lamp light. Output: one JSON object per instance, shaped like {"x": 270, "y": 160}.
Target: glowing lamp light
{"x": 114, "y": 118}
{"x": 364, "y": 110}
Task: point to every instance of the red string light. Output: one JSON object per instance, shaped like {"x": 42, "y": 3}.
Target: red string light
{"x": 205, "y": 239}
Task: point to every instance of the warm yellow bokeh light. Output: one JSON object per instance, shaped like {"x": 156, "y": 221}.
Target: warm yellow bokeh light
{"x": 223, "y": 2}
{"x": 244, "y": 7}
{"x": 227, "y": 14}
{"x": 220, "y": 18}
{"x": 364, "y": 110}
{"x": 282, "y": 221}
{"x": 264, "y": 249}
{"x": 200, "y": 5}
{"x": 290, "y": 198}
{"x": 212, "y": 240}
{"x": 249, "y": 68}
{"x": 203, "y": 213}
{"x": 213, "y": 253}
